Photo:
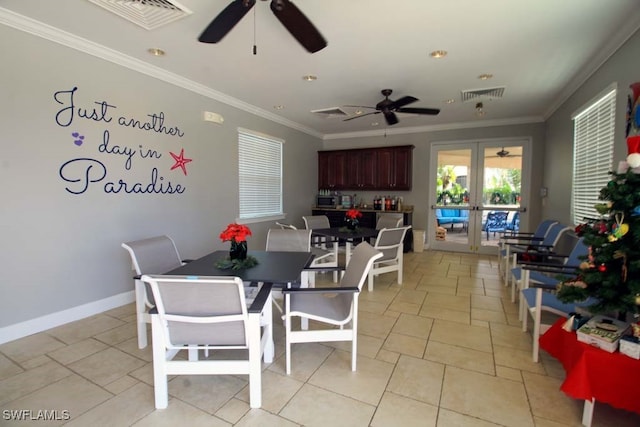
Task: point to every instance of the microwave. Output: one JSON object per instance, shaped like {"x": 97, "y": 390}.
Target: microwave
{"x": 326, "y": 201}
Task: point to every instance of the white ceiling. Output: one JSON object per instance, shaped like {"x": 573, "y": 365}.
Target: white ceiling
{"x": 539, "y": 51}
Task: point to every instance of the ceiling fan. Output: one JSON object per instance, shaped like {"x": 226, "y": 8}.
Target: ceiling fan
{"x": 287, "y": 13}
{"x": 389, "y": 108}
{"x": 504, "y": 153}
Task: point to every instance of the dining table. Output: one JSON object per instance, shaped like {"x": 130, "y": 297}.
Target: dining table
{"x": 278, "y": 269}
{"x": 349, "y": 237}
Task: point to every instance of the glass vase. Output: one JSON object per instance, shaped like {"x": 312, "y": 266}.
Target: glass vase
{"x": 238, "y": 250}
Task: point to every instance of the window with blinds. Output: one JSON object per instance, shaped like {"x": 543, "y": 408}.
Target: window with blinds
{"x": 594, "y": 127}
{"x": 260, "y": 175}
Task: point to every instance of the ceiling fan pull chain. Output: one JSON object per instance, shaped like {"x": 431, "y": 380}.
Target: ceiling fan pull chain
{"x": 255, "y": 47}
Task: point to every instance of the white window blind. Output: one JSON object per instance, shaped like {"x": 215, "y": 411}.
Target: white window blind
{"x": 260, "y": 175}
{"x": 594, "y": 129}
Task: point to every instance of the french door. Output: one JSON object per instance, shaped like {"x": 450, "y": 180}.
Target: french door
{"x": 477, "y": 191}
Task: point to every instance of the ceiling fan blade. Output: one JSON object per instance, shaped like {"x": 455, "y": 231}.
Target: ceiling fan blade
{"x": 391, "y": 118}
{"x": 361, "y": 115}
{"x": 405, "y": 100}
{"x": 226, "y": 20}
{"x": 430, "y": 111}
{"x": 298, "y": 25}
{"x": 360, "y": 106}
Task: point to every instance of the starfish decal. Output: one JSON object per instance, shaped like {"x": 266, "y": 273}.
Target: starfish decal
{"x": 181, "y": 162}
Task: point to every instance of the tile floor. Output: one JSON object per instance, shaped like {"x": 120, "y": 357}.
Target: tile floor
{"x": 444, "y": 349}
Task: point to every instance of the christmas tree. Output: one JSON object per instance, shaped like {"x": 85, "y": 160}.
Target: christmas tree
{"x": 611, "y": 273}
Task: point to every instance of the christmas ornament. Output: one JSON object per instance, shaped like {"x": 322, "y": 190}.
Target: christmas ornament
{"x": 619, "y": 229}
{"x": 602, "y": 268}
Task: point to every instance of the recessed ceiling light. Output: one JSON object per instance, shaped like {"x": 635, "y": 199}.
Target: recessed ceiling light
{"x": 155, "y": 51}
{"x": 358, "y": 112}
{"x": 438, "y": 54}
{"x": 309, "y": 77}
{"x": 449, "y": 101}
{"x": 485, "y": 76}
{"x": 278, "y": 107}
{"x": 375, "y": 124}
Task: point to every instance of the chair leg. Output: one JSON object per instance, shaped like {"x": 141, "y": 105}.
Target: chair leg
{"x": 160, "y": 385}
{"x": 536, "y": 325}
{"x": 141, "y": 313}
{"x": 400, "y": 265}
{"x": 287, "y": 328}
{"x": 370, "y": 281}
{"x": 354, "y": 331}
{"x": 255, "y": 353}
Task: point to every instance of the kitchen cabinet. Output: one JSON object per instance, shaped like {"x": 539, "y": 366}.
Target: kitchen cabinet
{"x": 332, "y": 170}
{"x": 394, "y": 167}
{"x": 387, "y": 168}
{"x": 361, "y": 169}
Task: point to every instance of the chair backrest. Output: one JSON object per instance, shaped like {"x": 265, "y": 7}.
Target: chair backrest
{"x": 316, "y": 221}
{"x": 543, "y": 228}
{"x": 496, "y": 220}
{"x": 155, "y": 255}
{"x": 287, "y": 240}
{"x": 362, "y": 259}
{"x": 554, "y": 234}
{"x": 390, "y": 241}
{"x": 577, "y": 254}
{"x": 208, "y": 311}
{"x": 286, "y": 226}
{"x": 389, "y": 220}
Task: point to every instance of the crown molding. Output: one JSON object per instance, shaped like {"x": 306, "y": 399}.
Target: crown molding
{"x": 42, "y": 30}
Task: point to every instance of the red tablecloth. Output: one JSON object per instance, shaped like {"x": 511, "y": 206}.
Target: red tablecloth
{"x": 612, "y": 378}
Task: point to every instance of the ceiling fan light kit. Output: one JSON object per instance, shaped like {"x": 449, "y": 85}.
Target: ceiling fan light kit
{"x": 298, "y": 25}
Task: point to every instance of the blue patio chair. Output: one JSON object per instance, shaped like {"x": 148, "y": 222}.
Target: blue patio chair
{"x": 496, "y": 222}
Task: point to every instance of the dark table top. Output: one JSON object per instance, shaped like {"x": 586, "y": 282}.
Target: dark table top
{"x": 273, "y": 267}
{"x": 344, "y": 234}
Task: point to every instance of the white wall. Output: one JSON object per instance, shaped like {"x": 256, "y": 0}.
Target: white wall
{"x": 60, "y": 252}
{"x": 622, "y": 68}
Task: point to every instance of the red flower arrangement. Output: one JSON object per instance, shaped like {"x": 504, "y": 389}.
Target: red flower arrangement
{"x": 353, "y": 214}
{"x": 235, "y": 233}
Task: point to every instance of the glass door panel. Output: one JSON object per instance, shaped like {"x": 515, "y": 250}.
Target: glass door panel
{"x": 475, "y": 194}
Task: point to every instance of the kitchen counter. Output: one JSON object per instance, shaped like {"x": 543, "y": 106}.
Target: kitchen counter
{"x": 340, "y": 209}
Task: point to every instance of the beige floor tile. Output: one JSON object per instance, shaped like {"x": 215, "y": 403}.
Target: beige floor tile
{"x": 469, "y": 336}
{"x": 451, "y": 302}
{"x": 8, "y": 368}
{"x": 447, "y": 314}
{"x": 405, "y": 307}
{"x": 306, "y": 358}
{"x": 460, "y": 357}
{"x": 511, "y": 337}
{"x": 72, "y": 394}
{"x": 509, "y": 373}
{"x": 545, "y": 403}
{"x": 486, "y": 303}
{"x": 448, "y": 418}
{"x": 233, "y": 410}
{"x": 375, "y": 325}
{"x": 26, "y": 382}
{"x": 130, "y": 346}
{"x": 366, "y": 384}
{"x": 367, "y": 346}
{"x": 77, "y": 351}
{"x": 409, "y": 295}
{"x": 395, "y": 410}
{"x": 372, "y": 307}
{"x": 417, "y": 379}
{"x": 179, "y": 413}
{"x": 435, "y": 289}
{"x": 106, "y": 366}
{"x": 30, "y": 347}
{"x": 85, "y": 328}
{"x": 517, "y": 359}
{"x": 315, "y": 407}
{"x": 405, "y": 344}
{"x": 488, "y": 315}
{"x": 261, "y": 418}
{"x": 277, "y": 390}
{"x": 207, "y": 392}
{"x": 119, "y": 334}
{"x": 466, "y": 392}
{"x": 121, "y": 410}
{"x": 415, "y": 326}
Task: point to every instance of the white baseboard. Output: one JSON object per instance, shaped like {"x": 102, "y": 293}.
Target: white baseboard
{"x": 33, "y": 326}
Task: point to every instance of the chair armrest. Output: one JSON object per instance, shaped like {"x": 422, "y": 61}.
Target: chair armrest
{"x": 543, "y": 286}
{"x": 320, "y": 269}
{"x": 549, "y": 268}
{"x": 260, "y": 300}
{"x": 328, "y": 290}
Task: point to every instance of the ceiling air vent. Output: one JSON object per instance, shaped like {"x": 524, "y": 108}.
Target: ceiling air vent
{"x": 477, "y": 94}
{"x": 331, "y": 112}
{"x": 149, "y": 14}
